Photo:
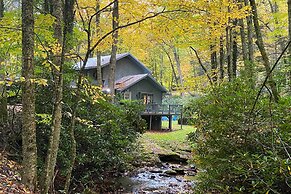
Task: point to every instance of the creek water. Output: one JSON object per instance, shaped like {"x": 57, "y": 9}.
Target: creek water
{"x": 166, "y": 179}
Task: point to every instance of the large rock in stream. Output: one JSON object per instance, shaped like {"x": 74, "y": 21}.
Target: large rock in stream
{"x": 172, "y": 158}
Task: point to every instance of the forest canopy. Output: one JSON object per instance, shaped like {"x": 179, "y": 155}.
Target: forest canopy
{"x": 229, "y": 61}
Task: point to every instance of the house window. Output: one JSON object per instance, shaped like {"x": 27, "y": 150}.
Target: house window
{"x": 147, "y": 98}
{"x": 127, "y": 95}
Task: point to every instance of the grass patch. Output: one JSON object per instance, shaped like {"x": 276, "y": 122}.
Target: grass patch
{"x": 172, "y": 141}
{"x": 177, "y": 135}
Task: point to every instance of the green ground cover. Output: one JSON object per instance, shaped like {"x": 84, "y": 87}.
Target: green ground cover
{"x": 167, "y": 142}
{"x": 177, "y": 135}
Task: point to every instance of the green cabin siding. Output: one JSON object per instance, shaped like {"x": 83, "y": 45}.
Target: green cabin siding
{"x": 146, "y": 86}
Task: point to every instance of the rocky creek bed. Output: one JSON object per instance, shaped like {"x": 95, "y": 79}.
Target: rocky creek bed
{"x": 162, "y": 168}
{"x": 171, "y": 177}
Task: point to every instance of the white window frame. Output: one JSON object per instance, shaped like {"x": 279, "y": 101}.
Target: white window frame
{"x": 127, "y": 95}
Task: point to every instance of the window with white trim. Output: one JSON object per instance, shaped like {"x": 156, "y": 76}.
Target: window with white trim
{"x": 127, "y": 95}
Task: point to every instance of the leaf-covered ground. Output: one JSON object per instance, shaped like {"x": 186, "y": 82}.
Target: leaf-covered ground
{"x": 10, "y": 180}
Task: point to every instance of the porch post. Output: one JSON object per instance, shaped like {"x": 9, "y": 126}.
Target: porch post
{"x": 181, "y": 117}
{"x": 170, "y": 122}
{"x": 151, "y": 117}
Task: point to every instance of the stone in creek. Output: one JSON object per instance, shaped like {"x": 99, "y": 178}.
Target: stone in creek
{"x": 170, "y": 172}
{"x": 179, "y": 171}
{"x": 152, "y": 177}
{"x": 155, "y": 171}
{"x": 175, "y": 158}
{"x": 164, "y": 175}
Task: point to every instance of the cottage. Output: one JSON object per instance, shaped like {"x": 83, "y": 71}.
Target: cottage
{"x": 134, "y": 81}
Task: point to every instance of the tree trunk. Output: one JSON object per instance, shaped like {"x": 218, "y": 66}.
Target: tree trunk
{"x": 98, "y": 56}
{"x": 243, "y": 43}
{"x": 221, "y": 59}
{"x": 1, "y": 9}
{"x": 263, "y": 52}
{"x": 68, "y": 30}
{"x": 234, "y": 51}
{"x": 29, "y": 149}
{"x": 250, "y": 36}
{"x": 112, "y": 64}
{"x": 250, "y": 48}
{"x": 178, "y": 65}
{"x": 289, "y": 50}
{"x": 214, "y": 64}
{"x": 47, "y": 6}
{"x": 54, "y": 139}
{"x": 172, "y": 67}
{"x": 161, "y": 69}
{"x": 228, "y": 51}
{"x": 3, "y": 93}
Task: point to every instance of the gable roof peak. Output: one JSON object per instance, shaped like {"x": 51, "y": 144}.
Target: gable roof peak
{"x": 105, "y": 60}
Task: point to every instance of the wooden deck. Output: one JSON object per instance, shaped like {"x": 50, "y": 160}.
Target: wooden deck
{"x": 154, "y": 113}
{"x": 162, "y": 109}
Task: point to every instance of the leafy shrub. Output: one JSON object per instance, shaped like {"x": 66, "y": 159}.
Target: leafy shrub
{"x": 238, "y": 151}
{"x": 105, "y": 134}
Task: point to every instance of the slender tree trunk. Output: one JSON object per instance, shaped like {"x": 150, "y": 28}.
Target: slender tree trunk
{"x": 289, "y": 49}
{"x": 221, "y": 59}
{"x": 250, "y": 36}
{"x": 3, "y": 93}
{"x": 3, "y": 102}
{"x": 29, "y": 150}
{"x": 161, "y": 69}
{"x": 47, "y": 6}
{"x": 98, "y": 56}
{"x": 172, "y": 67}
{"x": 263, "y": 52}
{"x": 54, "y": 139}
{"x": 250, "y": 48}
{"x": 229, "y": 53}
{"x": 68, "y": 31}
{"x": 112, "y": 64}
{"x": 178, "y": 65}
{"x": 243, "y": 43}
{"x": 214, "y": 64}
{"x": 234, "y": 51}
{"x": 1, "y": 9}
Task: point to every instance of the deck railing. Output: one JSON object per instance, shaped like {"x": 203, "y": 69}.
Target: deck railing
{"x": 163, "y": 109}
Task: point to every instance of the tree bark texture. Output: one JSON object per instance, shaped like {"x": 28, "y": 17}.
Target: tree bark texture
{"x": 221, "y": 59}
{"x": 161, "y": 69}
{"x": 214, "y": 64}
{"x": 3, "y": 93}
{"x": 29, "y": 149}
{"x": 234, "y": 51}
{"x": 98, "y": 55}
{"x": 47, "y": 6}
{"x": 243, "y": 43}
{"x": 68, "y": 30}
{"x": 228, "y": 52}
{"x": 250, "y": 36}
{"x": 289, "y": 26}
{"x": 289, "y": 49}
{"x": 112, "y": 64}
{"x": 57, "y": 59}
{"x": 172, "y": 67}
{"x": 263, "y": 52}
{"x": 1, "y": 9}
{"x": 178, "y": 65}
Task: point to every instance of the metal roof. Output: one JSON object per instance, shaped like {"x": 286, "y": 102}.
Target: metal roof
{"x": 105, "y": 60}
{"x": 126, "y": 82}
